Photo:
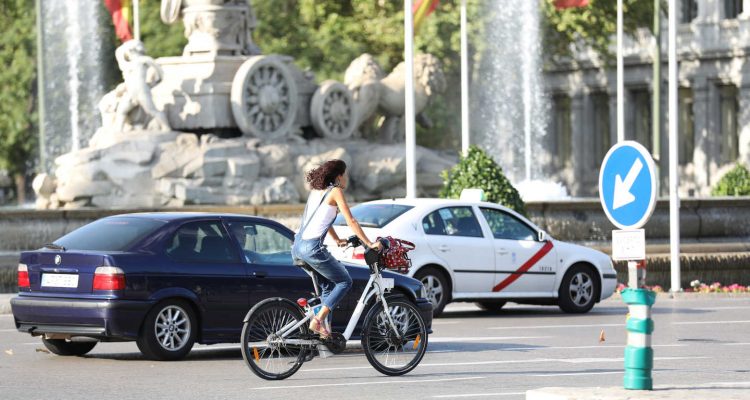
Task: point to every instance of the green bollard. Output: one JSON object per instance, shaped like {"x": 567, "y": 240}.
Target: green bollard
{"x": 639, "y": 357}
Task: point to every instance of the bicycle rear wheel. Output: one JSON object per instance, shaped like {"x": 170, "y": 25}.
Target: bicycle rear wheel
{"x": 390, "y": 352}
{"x": 264, "y": 351}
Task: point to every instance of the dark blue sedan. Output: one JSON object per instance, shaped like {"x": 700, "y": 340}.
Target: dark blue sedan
{"x": 166, "y": 281}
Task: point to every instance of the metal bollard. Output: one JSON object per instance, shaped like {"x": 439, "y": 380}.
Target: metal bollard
{"x": 639, "y": 357}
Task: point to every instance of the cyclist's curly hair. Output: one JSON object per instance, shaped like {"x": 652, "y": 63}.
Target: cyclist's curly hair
{"x": 326, "y": 174}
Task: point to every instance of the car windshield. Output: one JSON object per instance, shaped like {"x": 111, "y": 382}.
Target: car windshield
{"x": 374, "y": 215}
{"x": 109, "y": 234}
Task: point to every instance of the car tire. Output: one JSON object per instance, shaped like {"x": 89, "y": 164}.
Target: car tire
{"x": 491, "y": 306}
{"x": 436, "y": 288}
{"x": 63, "y": 347}
{"x": 578, "y": 290}
{"x": 168, "y": 332}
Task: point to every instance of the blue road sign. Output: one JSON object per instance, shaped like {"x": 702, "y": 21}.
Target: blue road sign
{"x": 627, "y": 185}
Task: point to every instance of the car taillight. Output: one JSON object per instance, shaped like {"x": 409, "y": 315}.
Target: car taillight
{"x": 23, "y": 276}
{"x": 109, "y": 278}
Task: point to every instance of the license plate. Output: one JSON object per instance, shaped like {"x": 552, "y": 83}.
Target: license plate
{"x": 388, "y": 283}
{"x": 60, "y": 280}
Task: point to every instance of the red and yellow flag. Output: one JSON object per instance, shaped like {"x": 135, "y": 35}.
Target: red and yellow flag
{"x": 421, "y": 9}
{"x": 120, "y": 10}
{"x": 563, "y": 4}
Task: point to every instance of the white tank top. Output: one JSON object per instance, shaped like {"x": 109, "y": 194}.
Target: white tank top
{"x": 321, "y": 219}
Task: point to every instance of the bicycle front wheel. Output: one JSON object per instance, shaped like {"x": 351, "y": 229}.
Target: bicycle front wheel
{"x": 394, "y": 351}
{"x": 267, "y": 354}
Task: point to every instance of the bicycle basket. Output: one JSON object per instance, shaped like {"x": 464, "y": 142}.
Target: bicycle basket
{"x": 394, "y": 255}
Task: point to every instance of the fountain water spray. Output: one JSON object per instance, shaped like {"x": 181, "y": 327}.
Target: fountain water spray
{"x": 513, "y": 111}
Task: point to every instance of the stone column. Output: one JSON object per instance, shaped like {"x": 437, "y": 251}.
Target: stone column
{"x": 578, "y": 122}
{"x": 743, "y": 119}
{"x": 701, "y": 154}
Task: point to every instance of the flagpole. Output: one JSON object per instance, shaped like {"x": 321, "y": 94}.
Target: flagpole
{"x": 620, "y": 78}
{"x": 136, "y": 20}
{"x": 410, "y": 134}
{"x": 674, "y": 199}
{"x": 464, "y": 83}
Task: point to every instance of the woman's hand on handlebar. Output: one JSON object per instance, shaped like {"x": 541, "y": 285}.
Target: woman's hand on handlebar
{"x": 376, "y": 245}
{"x": 342, "y": 242}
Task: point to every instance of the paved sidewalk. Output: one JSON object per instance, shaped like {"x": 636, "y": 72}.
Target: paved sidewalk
{"x": 718, "y": 390}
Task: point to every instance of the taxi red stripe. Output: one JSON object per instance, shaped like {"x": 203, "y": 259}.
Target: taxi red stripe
{"x": 525, "y": 267}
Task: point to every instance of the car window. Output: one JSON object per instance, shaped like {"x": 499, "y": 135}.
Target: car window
{"x": 203, "y": 241}
{"x": 506, "y": 226}
{"x": 262, "y": 243}
{"x": 452, "y": 221}
{"x": 109, "y": 234}
{"x": 374, "y": 215}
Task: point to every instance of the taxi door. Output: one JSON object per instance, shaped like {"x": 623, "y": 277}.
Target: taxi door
{"x": 524, "y": 266}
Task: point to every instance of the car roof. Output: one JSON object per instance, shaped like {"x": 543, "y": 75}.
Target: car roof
{"x": 430, "y": 202}
{"x": 182, "y": 215}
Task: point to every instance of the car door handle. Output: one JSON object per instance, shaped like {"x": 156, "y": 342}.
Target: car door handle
{"x": 444, "y": 248}
{"x": 503, "y": 252}
{"x": 259, "y": 274}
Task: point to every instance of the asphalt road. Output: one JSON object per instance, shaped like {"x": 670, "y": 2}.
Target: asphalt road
{"x": 471, "y": 355}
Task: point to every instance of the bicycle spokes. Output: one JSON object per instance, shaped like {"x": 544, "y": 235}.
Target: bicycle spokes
{"x": 395, "y": 351}
{"x": 267, "y": 353}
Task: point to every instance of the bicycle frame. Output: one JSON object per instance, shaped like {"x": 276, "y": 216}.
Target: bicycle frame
{"x": 376, "y": 285}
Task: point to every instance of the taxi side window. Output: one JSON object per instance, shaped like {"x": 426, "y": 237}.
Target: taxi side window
{"x": 506, "y": 226}
{"x": 452, "y": 221}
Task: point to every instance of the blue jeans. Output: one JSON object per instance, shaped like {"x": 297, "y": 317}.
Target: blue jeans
{"x": 333, "y": 277}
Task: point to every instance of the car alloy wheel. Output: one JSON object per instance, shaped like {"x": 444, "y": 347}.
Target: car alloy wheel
{"x": 435, "y": 288}
{"x": 578, "y": 290}
{"x": 581, "y": 289}
{"x": 172, "y": 328}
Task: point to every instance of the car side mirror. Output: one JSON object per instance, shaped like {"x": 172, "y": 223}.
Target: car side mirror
{"x": 542, "y": 236}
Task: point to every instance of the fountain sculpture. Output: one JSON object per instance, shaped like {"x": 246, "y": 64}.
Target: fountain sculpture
{"x": 225, "y": 124}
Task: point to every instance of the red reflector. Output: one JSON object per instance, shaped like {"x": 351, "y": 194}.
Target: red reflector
{"x": 302, "y": 302}
{"x": 23, "y": 279}
{"x": 109, "y": 282}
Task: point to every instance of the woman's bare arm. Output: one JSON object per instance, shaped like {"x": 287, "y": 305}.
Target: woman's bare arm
{"x": 337, "y": 196}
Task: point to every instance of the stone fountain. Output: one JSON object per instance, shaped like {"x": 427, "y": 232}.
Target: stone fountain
{"x": 226, "y": 124}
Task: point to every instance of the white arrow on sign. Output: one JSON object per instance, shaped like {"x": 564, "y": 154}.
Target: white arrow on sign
{"x": 623, "y": 196}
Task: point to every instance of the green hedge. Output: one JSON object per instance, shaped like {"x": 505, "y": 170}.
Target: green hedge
{"x": 478, "y": 170}
{"x": 734, "y": 183}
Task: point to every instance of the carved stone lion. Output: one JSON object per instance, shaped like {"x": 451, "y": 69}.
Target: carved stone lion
{"x": 380, "y": 101}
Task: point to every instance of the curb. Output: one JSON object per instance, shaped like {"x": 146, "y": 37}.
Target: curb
{"x": 692, "y": 295}
{"x": 5, "y": 302}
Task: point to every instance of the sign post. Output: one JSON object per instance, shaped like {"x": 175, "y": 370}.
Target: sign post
{"x": 627, "y": 190}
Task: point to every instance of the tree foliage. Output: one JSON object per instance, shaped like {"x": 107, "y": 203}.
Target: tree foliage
{"x": 479, "y": 170}
{"x": 736, "y": 182}
{"x": 593, "y": 26}
{"x": 18, "y": 131}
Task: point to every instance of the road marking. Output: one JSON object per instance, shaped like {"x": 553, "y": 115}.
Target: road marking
{"x": 482, "y": 338}
{"x": 550, "y": 360}
{"x": 378, "y": 382}
{"x": 578, "y": 373}
{"x": 557, "y": 326}
{"x": 454, "y": 396}
{"x": 710, "y": 322}
{"x": 729, "y": 383}
{"x": 444, "y": 322}
{"x": 8, "y": 330}
{"x": 736, "y": 344}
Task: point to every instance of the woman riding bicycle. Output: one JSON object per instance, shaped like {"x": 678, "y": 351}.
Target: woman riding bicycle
{"x": 328, "y": 182}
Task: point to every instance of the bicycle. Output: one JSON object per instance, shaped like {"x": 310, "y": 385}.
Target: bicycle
{"x": 276, "y": 340}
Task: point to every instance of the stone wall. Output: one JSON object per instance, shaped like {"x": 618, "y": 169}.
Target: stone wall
{"x": 725, "y": 219}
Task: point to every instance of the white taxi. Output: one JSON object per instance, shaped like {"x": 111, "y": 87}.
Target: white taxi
{"x": 475, "y": 251}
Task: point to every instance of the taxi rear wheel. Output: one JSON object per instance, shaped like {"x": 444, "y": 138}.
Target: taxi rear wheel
{"x": 436, "y": 288}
